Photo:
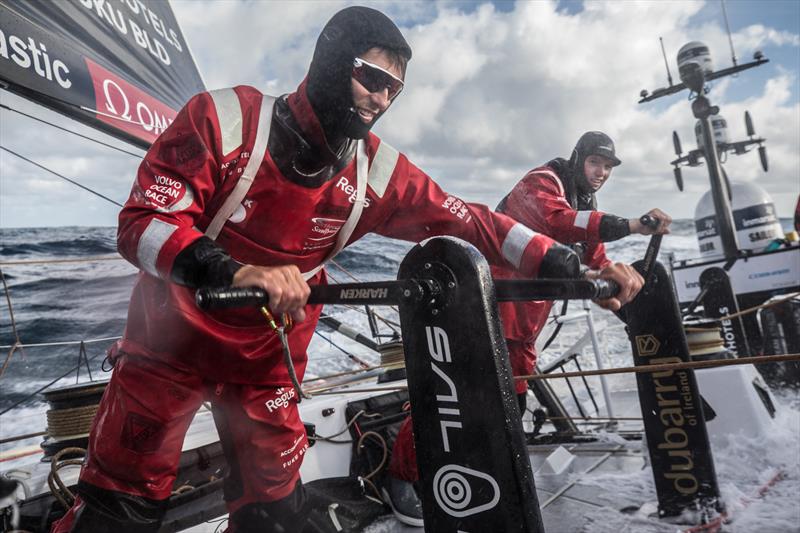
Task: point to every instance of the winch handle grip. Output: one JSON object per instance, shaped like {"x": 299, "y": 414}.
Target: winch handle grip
{"x": 229, "y": 297}
{"x": 605, "y": 288}
{"x": 649, "y": 221}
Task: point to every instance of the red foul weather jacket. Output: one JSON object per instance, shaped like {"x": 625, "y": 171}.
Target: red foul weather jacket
{"x": 192, "y": 169}
{"x": 539, "y": 201}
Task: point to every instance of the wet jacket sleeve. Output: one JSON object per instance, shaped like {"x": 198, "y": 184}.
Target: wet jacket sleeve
{"x": 539, "y": 202}
{"x": 595, "y": 256}
{"x": 421, "y": 209}
{"x": 173, "y": 185}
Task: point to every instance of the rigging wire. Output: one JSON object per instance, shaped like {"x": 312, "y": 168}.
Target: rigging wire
{"x": 33, "y": 395}
{"x": 351, "y": 356}
{"x": 17, "y": 342}
{"x": 130, "y": 139}
{"x": 98, "y": 141}
{"x": 66, "y": 260}
{"x": 61, "y": 176}
{"x": 355, "y": 278}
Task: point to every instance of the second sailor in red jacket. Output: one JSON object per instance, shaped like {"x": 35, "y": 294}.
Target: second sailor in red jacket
{"x": 558, "y": 199}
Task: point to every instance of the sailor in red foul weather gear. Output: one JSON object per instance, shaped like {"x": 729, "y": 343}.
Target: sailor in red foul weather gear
{"x": 557, "y": 199}
{"x": 248, "y": 190}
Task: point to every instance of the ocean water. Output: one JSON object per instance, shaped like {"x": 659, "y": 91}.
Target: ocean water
{"x": 86, "y": 298}
{"x": 58, "y": 304}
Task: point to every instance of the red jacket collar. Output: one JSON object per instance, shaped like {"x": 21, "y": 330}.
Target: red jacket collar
{"x": 305, "y": 116}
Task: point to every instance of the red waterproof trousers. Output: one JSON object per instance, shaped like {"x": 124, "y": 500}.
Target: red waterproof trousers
{"x": 145, "y": 412}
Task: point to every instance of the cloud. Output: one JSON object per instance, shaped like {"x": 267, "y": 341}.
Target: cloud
{"x": 513, "y": 89}
{"x": 757, "y": 36}
{"x": 490, "y": 94}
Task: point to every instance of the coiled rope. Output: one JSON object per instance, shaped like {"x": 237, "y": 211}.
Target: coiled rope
{"x": 57, "y": 487}
{"x": 384, "y": 459}
{"x": 72, "y": 421}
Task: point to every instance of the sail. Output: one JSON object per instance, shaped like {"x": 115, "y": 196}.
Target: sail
{"x": 122, "y": 66}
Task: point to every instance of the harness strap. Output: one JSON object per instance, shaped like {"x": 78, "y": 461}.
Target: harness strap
{"x": 362, "y": 162}
{"x": 246, "y": 179}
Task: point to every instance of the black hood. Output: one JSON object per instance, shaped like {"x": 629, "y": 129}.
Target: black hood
{"x": 349, "y": 33}
{"x": 576, "y": 189}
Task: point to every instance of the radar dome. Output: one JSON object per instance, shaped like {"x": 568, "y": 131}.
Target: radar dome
{"x": 755, "y": 220}
{"x": 696, "y": 52}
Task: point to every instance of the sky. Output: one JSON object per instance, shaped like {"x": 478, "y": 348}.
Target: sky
{"x": 494, "y": 89}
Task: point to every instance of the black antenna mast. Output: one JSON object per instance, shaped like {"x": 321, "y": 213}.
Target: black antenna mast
{"x": 666, "y": 63}
{"x": 728, "y": 27}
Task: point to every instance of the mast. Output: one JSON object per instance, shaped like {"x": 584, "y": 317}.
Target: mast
{"x": 702, "y": 110}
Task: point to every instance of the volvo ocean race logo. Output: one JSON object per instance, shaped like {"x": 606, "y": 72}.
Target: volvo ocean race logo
{"x": 166, "y": 194}
{"x": 455, "y": 487}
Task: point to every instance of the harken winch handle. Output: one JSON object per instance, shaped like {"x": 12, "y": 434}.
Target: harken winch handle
{"x": 392, "y": 292}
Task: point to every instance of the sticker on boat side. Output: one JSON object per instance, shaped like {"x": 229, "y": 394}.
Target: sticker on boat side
{"x": 647, "y": 345}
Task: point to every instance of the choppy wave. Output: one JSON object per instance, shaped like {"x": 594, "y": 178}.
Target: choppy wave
{"x": 28, "y": 243}
{"x": 55, "y": 302}
{"x": 58, "y": 302}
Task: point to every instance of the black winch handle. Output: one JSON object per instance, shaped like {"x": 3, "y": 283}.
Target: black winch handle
{"x": 370, "y": 293}
{"x": 649, "y": 221}
{"x": 393, "y": 292}
{"x": 228, "y": 297}
{"x": 653, "y": 247}
{"x": 606, "y": 288}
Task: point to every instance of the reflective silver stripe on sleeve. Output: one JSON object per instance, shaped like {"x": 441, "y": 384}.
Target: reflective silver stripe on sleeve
{"x": 552, "y": 175}
{"x": 582, "y": 219}
{"x": 515, "y": 243}
{"x": 150, "y": 243}
{"x": 229, "y": 115}
{"x": 382, "y": 168}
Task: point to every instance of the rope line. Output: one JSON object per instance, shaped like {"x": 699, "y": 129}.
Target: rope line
{"x": 352, "y": 357}
{"x": 62, "y": 343}
{"x": 33, "y": 395}
{"x": 17, "y": 342}
{"x": 117, "y": 148}
{"x": 16, "y": 438}
{"x": 68, "y": 260}
{"x": 12, "y": 152}
{"x": 57, "y": 487}
{"x": 762, "y": 306}
{"x": 761, "y": 359}
{"x": 690, "y": 365}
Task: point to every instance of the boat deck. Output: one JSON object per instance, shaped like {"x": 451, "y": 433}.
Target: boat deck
{"x": 564, "y": 473}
